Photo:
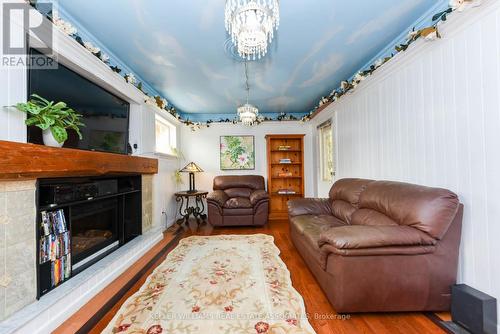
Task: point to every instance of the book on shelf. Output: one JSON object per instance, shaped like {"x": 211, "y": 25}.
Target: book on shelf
{"x": 60, "y": 270}
{"x": 55, "y": 272}
{"x": 285, "y": 161}
{"x": 284, "y": 148}
{"x": 58, "y": 221}
{"x": 53, "y": 222}
{"x": 55, "y": 245}
{"x": 46, "y": 228}
{"x": 45, "y": 249}
{"x": 67, "y": 266}
{"x": 285, "y": 174}
{"x": 286, "y": 192}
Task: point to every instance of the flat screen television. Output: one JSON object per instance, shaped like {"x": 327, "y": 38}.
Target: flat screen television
{"x": 106, "y": 116}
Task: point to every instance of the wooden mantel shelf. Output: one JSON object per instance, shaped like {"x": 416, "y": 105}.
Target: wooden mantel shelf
{"x": 29, "y": 161}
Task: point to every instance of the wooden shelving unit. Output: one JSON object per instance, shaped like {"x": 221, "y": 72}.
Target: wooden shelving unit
{"x": 292, "y": 174}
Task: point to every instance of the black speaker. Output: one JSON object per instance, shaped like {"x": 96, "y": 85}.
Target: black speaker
{"x": 473, "y": 310}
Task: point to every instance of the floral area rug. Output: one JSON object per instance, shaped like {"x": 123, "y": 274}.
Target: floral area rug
{"x": 230, "y": 284}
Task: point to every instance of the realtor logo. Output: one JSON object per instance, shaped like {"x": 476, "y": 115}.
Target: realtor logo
{"x": 23, "y": 27}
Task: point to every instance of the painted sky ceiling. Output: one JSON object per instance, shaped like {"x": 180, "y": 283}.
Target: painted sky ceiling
{"x": 181, "y": 48}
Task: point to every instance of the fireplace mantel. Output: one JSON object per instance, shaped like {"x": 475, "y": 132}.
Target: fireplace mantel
{"x": 19, "y": 161}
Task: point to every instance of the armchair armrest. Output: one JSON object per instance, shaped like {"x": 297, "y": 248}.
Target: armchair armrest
{"x": 309, "y": 206}
{"x": 363, "y": 236}
{"x": 218, "y": 196}
{"x": 258, "y": 195}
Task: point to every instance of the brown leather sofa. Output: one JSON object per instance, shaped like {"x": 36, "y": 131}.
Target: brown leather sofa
{"x": 380, "y": 246}
{"x": 238, "y": 200}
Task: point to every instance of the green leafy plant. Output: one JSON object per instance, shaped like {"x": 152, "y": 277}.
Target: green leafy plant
{"x": 234, "y": 148}
{"x": 57, "y": 117}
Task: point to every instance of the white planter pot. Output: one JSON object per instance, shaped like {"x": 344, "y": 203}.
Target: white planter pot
{"x": 49, "y": 140}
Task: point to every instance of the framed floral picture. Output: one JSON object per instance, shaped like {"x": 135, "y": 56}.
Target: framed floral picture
{"x": 237, "y": 152}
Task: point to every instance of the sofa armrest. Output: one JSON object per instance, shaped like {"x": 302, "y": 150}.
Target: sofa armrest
{"x": 258, "y": 195}
{"x": 362, "y": 236}
{"x": 309, "y": 206}
{"x": 218, "y": 196}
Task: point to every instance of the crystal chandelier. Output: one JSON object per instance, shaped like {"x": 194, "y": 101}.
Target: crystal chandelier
{"x": 247, "y": 112}
{"x": 251, "y": 24}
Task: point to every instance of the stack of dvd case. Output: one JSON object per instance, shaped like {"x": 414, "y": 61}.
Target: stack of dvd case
{"x": 55, "y": 245}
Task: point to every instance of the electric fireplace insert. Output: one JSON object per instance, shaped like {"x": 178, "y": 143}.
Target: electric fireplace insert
{"x": 80, "y": 221}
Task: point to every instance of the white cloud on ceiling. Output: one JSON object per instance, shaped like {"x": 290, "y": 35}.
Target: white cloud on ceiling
{"x": 317, "y": 47}
{"x": 151, "y": 56}
{"x": 170, "y": 43}
{"x": 325, "y": 69}
{"x": 261, "y": 84}
{"x": 379, "y": 23}
{"x": 210, "y": 73}
{"x": 197, "y": 100}
{"x": 140, "y": 11}
{"x": 280, "y": 102}
{"x": 160, "y": 60}
{"x": 209, "y": 13}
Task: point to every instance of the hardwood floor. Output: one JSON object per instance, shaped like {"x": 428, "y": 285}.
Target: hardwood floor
{"x": 322, "y": 314}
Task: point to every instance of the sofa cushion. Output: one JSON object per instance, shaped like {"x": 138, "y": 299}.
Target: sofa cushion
{"x": 344, "y": 196}
{"x": 253, "y": 182}
{"x": 238, "y": 192}
{"x": 258, "y": 195}
{"x": 348, "y": 190}
{"x": 237, "y": 211}
{"x": 359, "y": 236}
{"x": 371, "y": 218}
{"x": 310, "y": 227}
{"x": 218, "y": 196}
{"x": 305, "y": 223}
{"x": 309, "y": 206}
{"x": 430, "y": 210}
{"x": 343, "y": 210}
{"x": 328, "y": 249}
{"x": 238, "y": 202}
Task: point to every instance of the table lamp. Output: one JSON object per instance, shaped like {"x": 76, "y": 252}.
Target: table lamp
{"x": 191, "y": 168}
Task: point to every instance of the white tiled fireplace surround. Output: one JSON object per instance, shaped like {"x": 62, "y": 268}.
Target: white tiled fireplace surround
{"x": 20, "y": 312}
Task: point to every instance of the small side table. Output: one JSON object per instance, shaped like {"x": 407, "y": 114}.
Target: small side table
{"x": 185, "y": 210}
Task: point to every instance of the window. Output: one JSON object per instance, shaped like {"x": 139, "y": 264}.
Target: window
{"x": 166, "y": 136}
{"x": 327, "y": 168}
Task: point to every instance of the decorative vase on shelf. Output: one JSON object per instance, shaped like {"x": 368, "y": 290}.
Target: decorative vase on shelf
{"x": 49, "y": 140}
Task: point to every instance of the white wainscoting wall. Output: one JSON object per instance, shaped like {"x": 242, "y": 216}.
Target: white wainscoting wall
{"x": 432, "y": 116}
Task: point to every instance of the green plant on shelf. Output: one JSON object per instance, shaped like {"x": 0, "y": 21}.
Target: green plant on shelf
{"x": 57, "y": 117}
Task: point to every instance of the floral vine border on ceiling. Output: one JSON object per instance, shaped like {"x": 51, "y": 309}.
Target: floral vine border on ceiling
{"x": 429, "y": 33}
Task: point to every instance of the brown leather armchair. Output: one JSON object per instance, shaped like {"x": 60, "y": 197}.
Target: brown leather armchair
{"x": 379, "y": 246}
{"x": 238, "y": 200}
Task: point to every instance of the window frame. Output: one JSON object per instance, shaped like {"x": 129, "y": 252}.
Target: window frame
{"x": 327, "y": 173}
{"x": 172, "y": 134}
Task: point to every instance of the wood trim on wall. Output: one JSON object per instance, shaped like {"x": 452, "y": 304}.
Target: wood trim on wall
{"x": 320, "y": 109}
{"x": 29, "y": 161}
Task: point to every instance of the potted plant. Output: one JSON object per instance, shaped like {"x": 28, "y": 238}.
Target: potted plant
{"x": 53, "y": 118}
